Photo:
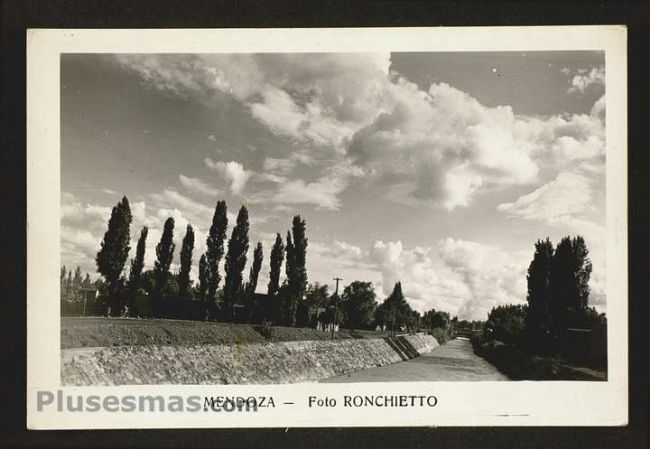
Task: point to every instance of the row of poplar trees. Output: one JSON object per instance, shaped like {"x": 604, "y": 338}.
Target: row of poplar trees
{"x": 558, "y": 288}
{"x": 174, "y": 296}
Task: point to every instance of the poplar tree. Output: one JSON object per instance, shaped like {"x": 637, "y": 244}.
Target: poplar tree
{"x": 296, "y": 266}
{"x": 254, "y": 272}
{"x": 114, "y": 252}
{"x": 137, "y": 265}
{"x": 164, "y": 254}
{"x": 251, "y": 285}
{"x": 235, "y": 263}
{"x": 277, "y": 257}
{"x": 87, "y": 283}
{"x": 582, "y": 268}
{"x": 397, "y": 307}
{"x": 539, "y": 288}
{"x": 570, "y": 273}
{"x": 288, "y": 299}
{"x": 76, "y": 284}
{"x": 215, "y": 249}
{"x": 300, "y": 256}
{"x": 203, "y": 277}
{"x": 186, "y": 263}
{"x": 62, "y": 275}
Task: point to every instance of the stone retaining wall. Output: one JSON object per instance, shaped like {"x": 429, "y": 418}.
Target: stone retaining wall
{"x": 271, "y": 363}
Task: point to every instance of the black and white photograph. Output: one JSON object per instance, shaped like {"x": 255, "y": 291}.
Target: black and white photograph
{"x": 333, "y": 217}
{"x": 269, "y": 218}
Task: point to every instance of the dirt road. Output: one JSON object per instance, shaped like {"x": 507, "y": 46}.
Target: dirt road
{"x": 453, "y": 361}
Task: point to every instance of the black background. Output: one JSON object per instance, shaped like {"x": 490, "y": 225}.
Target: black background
{"x": 17, "y": 16}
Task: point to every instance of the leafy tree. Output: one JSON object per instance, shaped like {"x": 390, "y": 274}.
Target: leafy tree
{"x": 506, "y": 324}
{"x": 186, "y": 264}
{"x": 277, "y": 257}
{"x": 215, "y": 248}
{"x": 296, "y": 266}
{"x": 252, "y": 309}
{"x": 235, "y": 262}
{"x": 539, "y": 289}
{"x": 359, "y": 303}
{"x": 114, "y": 251}
{"x": 316, "y": 297}
{"x": 137, "y": 265}
{"x": 433, "y": 319}
{"x": 164, "y": 254}
{"x": 413, "y": 319}
{"x": 327, "y": 316}
{"x": 148, "y": 282}
{"x": 395, "y": 312}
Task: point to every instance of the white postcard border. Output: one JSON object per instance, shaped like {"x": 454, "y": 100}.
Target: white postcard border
{"x": 459, "y": 403}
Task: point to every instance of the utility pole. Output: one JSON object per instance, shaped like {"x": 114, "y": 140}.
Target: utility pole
{"x": 336, "y": 304}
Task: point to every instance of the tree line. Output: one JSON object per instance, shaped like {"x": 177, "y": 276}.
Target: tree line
{"x": 229, "y": 296}
{"x": 557, "y": 296}
{"x": 73, "y": 285}
{"x": 217, "y": 295}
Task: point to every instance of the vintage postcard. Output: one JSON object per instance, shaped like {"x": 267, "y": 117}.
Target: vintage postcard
{"x": 327, "y": 227}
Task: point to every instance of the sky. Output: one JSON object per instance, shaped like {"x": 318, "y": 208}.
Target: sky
{"x": 439, "y": 170}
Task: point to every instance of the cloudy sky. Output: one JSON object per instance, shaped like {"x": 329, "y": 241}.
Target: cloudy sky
{"x": 440, "y": 170}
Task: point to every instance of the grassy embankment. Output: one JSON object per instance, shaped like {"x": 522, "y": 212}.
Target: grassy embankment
{"x": 519, "y": 365}
{"x": 106, "y": 332}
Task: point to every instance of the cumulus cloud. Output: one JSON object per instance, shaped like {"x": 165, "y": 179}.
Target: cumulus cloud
{"x": 279, "y": 166}
{"x": 565, "y": 203}
{"x": 568, "y": 194}
{"x": 76, "y": 214}
{"x": 83, "y": 226}
{"x": 198, "y": 186}
{"x": 308, "y": 97}
{"x": 326, "y": 259}
{"x": 322, "y": 193}
{"x": 598, "y": 109}
{"x": 413, "y": 267}
{"x": 465, "y": 278}
{"x": 586, "y": 78}
{"x": 492, "y": 276}
{"x": 171, "y": 199}
{"x": 284, "y": 166}
{"x": 437, "y": 146}
{"x": 232, "y": 171}
{"x": 442, "y": 146}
